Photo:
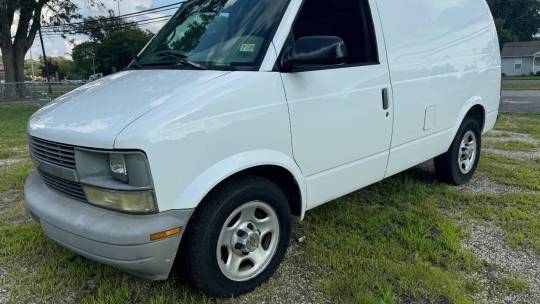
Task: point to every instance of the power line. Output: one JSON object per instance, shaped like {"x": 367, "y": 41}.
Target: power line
{"x": 131, "y": 23}
{"x": 136, "y": 14}
{"x": 115, "y": 27}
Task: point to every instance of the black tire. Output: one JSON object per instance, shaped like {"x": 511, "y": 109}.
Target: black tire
{"x": 200, "y": 241}
{"x": 447, "y": 166}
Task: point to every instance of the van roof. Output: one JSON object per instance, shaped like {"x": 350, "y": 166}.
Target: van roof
{"x": 520, "y": 49}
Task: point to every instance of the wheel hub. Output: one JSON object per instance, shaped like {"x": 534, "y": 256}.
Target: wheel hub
{"x": 246, "y": 238}
{"x": 467, "y": 153}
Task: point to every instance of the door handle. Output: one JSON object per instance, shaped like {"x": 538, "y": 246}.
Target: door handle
{"x": 385, "y": 103}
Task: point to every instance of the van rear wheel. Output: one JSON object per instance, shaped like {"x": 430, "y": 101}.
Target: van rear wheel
{"x": 238, "y": 237}
{"x": 458, "y": 165}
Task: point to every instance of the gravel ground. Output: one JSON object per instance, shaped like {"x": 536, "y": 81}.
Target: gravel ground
{"x": 11, "y": 161}
{"x": 483, "y": 185}
{"x": 295, "y": 282}
{"x": 503, "y": 136}
{"x": 3, "y": 288}
{"x": 487, "y": 243}
{"x": 528, "y": 156}
{"x": 12, "y": 210}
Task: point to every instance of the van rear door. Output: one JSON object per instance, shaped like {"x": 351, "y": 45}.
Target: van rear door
{"x": 341, "y": 124}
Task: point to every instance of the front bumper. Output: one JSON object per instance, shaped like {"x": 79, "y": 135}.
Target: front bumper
{"x": 116, "y": 239}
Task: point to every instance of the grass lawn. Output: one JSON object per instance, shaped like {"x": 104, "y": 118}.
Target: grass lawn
{"x": 398, "y": 241}
{"x": 521, "y": 77}
{"x": 521, "y": 86}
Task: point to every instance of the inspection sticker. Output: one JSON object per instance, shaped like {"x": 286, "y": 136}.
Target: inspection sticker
{"x": 247, "y": 48}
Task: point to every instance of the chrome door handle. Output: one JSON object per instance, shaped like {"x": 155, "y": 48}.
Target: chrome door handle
{"x": 385, "y": 103}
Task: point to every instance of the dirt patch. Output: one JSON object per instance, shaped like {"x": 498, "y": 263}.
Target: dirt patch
{"x": 480, "y": 184}
{"x": 528, "y": 156}
{"x": 295, "y": 282}
{"x": 483, "y": 185}
{"x": 11, "y": 161}
{"x": 12, "y": 209}
{"x": 504, "y": 136}
{"x": 3, "y": 288}
{"x": 487, "y": 243}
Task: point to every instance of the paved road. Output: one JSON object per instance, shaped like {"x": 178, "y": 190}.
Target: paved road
{"x": 521, "y": 101}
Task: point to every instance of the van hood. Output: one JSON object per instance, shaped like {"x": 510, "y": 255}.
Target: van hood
{"x": 94, "y": 114}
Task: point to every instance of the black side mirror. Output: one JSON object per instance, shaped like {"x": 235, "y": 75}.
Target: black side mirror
{"x": 315, "y": 52}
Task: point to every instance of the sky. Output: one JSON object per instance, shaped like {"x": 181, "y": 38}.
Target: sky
{"x": 57, "y": 46}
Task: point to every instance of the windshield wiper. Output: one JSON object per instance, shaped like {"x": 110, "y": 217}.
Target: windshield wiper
{"x": 135, "y": 62}
{"x": 181, "y": 58}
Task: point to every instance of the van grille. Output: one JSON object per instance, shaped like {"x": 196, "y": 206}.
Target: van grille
{"x": 69, "y": 188}
{"x": 54, "y": 153}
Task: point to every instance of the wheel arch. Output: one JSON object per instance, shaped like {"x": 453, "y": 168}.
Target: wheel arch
{"x": 475, "y": 108}
{"x": 274, "y": 166}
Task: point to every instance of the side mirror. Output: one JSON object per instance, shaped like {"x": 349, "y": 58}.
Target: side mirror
{"x": 315, "y": 52}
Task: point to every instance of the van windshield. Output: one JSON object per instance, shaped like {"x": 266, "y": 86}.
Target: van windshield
{"x": 216, "y": 34}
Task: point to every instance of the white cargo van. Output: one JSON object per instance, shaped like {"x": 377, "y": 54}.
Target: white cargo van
{"x": 240, "y": 115}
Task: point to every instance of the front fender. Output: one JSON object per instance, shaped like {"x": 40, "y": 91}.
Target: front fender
{"x": 220, "y": 171}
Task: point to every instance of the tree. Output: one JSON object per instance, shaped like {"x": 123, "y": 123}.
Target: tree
{"x": 60, "y": 68}
{"x": 505, "y": 35}
{"x": 111, "y": 53}
{"x": 117, "y": 49}
{"x": 28, "y": 16}
{"x": 98, "y": 28}
{"x": 516, "y": 20}
{"x": 84, "y": 58}
{"x": 28, "y": 68}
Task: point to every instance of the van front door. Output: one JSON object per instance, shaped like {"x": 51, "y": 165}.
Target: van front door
{"x": 341, "y": 124}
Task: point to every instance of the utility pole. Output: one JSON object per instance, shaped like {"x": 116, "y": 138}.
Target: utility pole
{"x": 32, "y": 62}
{"x": 46, "y": 62}
{"x": 118, "y": 2}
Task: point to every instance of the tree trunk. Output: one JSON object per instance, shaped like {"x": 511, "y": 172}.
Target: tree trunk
{"x": 14, "y": 67}
{"x": 20, "y": 87}
{"x": 9, "y": 64}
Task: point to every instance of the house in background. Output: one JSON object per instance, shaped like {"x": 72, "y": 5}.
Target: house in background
{"x": 521, "y": 58}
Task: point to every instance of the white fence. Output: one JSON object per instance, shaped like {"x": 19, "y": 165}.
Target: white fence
{"x": 37, "y": 91}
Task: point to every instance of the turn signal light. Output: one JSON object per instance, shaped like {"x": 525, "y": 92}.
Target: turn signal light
{"x": 165, "y": 234}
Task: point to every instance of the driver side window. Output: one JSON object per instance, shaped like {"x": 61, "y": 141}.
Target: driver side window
{"x": 350, "y": 20}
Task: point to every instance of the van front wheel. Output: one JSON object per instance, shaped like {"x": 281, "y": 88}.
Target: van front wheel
{"x": 238, "y": 237}
{"x": 458, "y": 165}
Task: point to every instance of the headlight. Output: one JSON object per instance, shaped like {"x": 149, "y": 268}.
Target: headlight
{"x": 127, "y": 201}
{"x": 117, "y": 165}
{"x": 118, "y": 180}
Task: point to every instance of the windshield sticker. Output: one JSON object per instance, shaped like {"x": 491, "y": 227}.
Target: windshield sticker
{"x": 247, "y": 48}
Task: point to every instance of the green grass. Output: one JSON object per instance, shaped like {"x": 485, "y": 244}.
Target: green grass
{"x": 391, "y": 243}
{"x": 514, "y": 284}
{"x": 12, "y": 177}
{"x": 511, "y": 145}
{"x": 521, "y": 86}
{"x": 520, "y": 123}
{"x": 13, "y": 117}
{"x": 512, "y": 172}
{"x": 517, "y": 214}
{"x": 521, "y": 77}
{"x": 396, "y": 241}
